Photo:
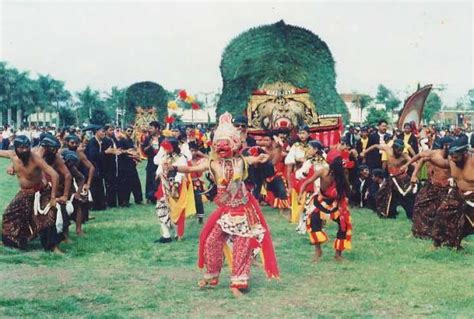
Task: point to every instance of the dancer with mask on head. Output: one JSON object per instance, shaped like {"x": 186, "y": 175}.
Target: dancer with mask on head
{"x": 238, "y": 217}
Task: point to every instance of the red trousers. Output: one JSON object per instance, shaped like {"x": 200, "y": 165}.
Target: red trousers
{"x": 241, "y": 256}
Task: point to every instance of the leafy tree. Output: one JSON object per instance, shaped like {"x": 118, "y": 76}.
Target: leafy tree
{"x": 89, "y": 101}
{"x": 362, "y": 101}
{"x": 374, "y": 116}
{"x": 100, "y": 117}
{"x": 382, "y": 94}
{"x": 52, "y": 94}
{"x": 385, "y": 96}
{"x": 432, "y": 105}
{"x": 66, "y": 116}
{"x": 115, "y": 100}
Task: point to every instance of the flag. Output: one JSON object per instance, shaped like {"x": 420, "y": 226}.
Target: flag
{"x": 413, "y": 108}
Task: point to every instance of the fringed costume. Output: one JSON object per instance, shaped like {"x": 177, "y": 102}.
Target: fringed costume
{"x": 328, "y": 207}
{"x": 276, "y": 188}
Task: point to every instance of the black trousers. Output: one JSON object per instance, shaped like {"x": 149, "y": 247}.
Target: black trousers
{"x": 150, "y": 185}
{"x": 50, "y": 238}
{"x": 129, "y": 183}
{"x": 199, "y": 204}
{"x": 98, "y": 193}
{"x": 407, "y": 202}
{"x": 111, "y": 189}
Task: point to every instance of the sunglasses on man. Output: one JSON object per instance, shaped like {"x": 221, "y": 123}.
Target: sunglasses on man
{"x": 240, "y": 125}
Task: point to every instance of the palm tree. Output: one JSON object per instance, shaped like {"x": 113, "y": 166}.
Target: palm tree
{"x": 8, "y": 78}
{"x": 115, "y": 102}
{"x": 89, "y": 100}
{"x": 23, "y": 96}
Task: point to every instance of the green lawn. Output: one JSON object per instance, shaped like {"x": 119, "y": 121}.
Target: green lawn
{"x": 117, "y": 271}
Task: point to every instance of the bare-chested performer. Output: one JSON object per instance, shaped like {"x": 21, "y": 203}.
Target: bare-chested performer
{"x": 397, "y": 190}
{"x": 434, "y": 191}
{"x": 48, "y": 150}
{"x": 20, "y": 221}
{"x": 455, "y": 217}
{"x": 88, "y": 169}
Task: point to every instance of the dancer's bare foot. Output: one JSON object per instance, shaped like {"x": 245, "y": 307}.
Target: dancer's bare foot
{"x": 285, "y": 213}
{"x": 208, "y": 283}
{"x": 318, "y": 252}
{"x": 80, "y": 232}
{"x": 255, "y": 262}
{"x": 236, "y": 292}
{"x": 67, "y": 240}
{"x": 57, "y": 251}
{"x": 316, "y": 258}
{"x": 338, "y": 257}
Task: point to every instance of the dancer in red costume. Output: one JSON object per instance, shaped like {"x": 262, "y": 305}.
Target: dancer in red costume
{"x": 330, "y": 203}
{"x": 237, "y": 218}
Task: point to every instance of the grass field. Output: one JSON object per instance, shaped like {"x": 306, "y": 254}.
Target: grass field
{"x": 117, "y": 271}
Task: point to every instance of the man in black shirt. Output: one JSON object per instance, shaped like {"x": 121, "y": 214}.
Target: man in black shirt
{"x": 374, "y": 158}
{"x": 150, "y": 147}
{"x": 111, "y": 153}
{"x": 129, "y": 182}
{"x": 95, "y": 154}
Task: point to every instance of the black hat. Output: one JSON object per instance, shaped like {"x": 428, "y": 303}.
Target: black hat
{"x": 364, "y": 129}
{"x": 460, "y": 145}
{"x": 362, "y": 167}
{"x": 50, "y": 141}
{"x": 21, "y": 141}
{"x": 440, "y": 142}
{"x": 155, "y": 124}
{"x": 241, "y": 119}
{"x": 378, "y": 172}
{"x": 398, "y": 143}
{"x": 70, "y": 156}
{"x": 72, "y": 137}
{"x": 316, "y": 144}
{"x": 303, "y": 128}
{"x": 93, "y": 127}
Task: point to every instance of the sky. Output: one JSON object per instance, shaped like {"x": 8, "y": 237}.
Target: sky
{"x": 179, "y": 44}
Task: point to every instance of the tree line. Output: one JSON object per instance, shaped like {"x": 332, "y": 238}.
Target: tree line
{"x": 21, "y": 95}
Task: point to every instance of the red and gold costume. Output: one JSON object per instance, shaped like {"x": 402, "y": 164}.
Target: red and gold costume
{"x": 328, "y": 207}
{"x": 238, "y": 221}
